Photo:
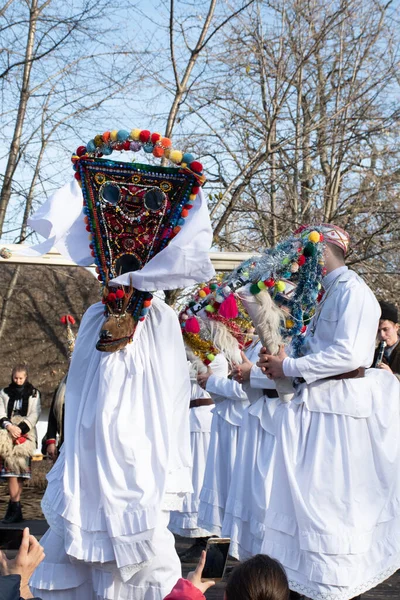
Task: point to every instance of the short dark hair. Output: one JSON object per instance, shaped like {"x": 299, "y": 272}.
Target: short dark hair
{"x": 259, "y": 578}
{"x": 337, "y": 251}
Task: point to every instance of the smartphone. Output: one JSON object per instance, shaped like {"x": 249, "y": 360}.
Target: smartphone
{"x": 10, "y": 539}
{"x": 217, "y": 555}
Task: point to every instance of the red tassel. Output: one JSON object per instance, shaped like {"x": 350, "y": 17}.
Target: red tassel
{"x": 228, "y": 308}
{"x": 192, "y": 325}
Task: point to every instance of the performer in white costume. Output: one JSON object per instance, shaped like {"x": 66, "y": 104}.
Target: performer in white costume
{"x": 200, "y": 417}
{"x": 125, "y": 462}
{"x": 333, "y": 518}
{"x": 231, "y": 401}
{"x": 247, "y": 498}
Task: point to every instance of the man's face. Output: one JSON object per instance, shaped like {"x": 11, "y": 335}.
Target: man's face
{"x": 387, "y": 332}
{"x": 19, "y": 377}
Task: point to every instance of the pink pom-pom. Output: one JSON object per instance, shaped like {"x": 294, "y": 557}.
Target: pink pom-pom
{"x": 229, "y": 308}
{"x": 192, "y": 325}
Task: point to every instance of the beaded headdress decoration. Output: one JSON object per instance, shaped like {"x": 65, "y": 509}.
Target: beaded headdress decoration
{"x": 208, "y": 331}
{"x": 132, "y": 212}
{"x": 291, "y": 273}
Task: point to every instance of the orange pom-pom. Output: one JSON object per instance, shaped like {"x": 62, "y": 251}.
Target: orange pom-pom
{"x": 106, "y": 136}
{"x": 166, "y": 143}
{"x": 147, "y": 303}
{"x": 184, "y": 213}
{"x": 177, "y": 229}
{"x": 158, "y": 152}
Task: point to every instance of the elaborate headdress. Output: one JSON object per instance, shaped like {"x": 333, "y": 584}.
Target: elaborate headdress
{"x": 285, "y": 279}
{"x": 333, "y": 234}
{"x": 146, "y": 227}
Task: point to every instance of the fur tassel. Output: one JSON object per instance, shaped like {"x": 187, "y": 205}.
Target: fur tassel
{"x": 266, "y": 317}
{"x": 15, "y": 455}
{"x": 224, "y": 341}
{"x": 192, "y": 325}
{"x": 229, "y": 308}
{"x": 196, "y": 365}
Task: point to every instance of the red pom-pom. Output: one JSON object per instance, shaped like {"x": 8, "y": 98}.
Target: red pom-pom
{"x": 195, "y": 189}
{"x": 229, "y": 308}
{"x": 188, "y": 206}
{"x": 192, "y": 325}
{"x": 207, "y": 290}
{"x": 120, "y": 294}
{"x": 269, "y": 283}
{"x": 119, "y": 146}
{"x": 111, "y": 297}
{"x": 301, "y": 260}
{"x": 77, "y": 176}
{"x": 207, "y": 362}
{"x": 63, "y": 319}
{"x": 155, "y": 137}
{"x": 88, "y": 228}
{"x": 126, "y": 145}
{"x": 303, "y": 329}
{"x": 196, "y": 166}
{"x": 176, "y": 229}
{"x": 99, "y": 277}
{"x": 144, "y": 135}
{"x": 321, "y": 237}
{"x": 71, "y": 319}
{"x": 81, "y": 150}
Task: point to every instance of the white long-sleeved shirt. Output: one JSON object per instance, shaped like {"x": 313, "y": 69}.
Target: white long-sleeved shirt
{"x": 341, "y": 335}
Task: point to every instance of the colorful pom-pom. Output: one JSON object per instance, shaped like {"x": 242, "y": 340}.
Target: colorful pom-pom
{"x": 176, "y": 156}
{"x": 77, "y": 176}
{"x": 111, "y": 297}
{"x": 98, "y": 140}
{"x": 135, "y": 134}
{"x": 147, "y": 303}
{"x": 202, "y": 294}
{"x": 286, "y": 260}
{"x": 294, "y": 267}
{"x": 314, "y": 237}
{"x": 261, "y": 285}
{"x": 176, "y": 229}
{"x": 91, "y": 146}
{"x": 195, "y": 165}
{"x": 126, "y": 145}
{"x": 187, "y": 158}
{"x": 135, "y": 146}
{"x": 303, "y": 329}
{"x": 309, "y": 249}
{"x": 155, "y": 137}
{"x": 107, "y": 150}
{"x": 148, "y": 147}
{"x": 213, "y": 287}
{"x": 269, "y": 282}
{"x": 144, "y": 135}
{"x": 184, "y": 317}
{"x": 289, "y": 323}
{"x": 209, "y": 308}
{"x": 206, "y": 289}
{"x": 210, "y": 356}
{"x": 301, "y": 260}
{"x": 192, "y": 325}
{"x": 166, "y": 142}
{"x": 254, "y": 289}
{"x": 158, "y": 152}
{"x": 114, "y": 135}
{"x": 122, "y": 135}
{"x": 81, "y": 150}
{"x": 229, "y": 308}
{"x": 120, "y": 294}
{"x": 106, "y": 136}
{"x": 67, "y": 319}
{"x": 280, "y": 286}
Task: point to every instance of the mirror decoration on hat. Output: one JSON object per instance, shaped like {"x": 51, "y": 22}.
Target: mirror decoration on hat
{"x": 132, "y": 212}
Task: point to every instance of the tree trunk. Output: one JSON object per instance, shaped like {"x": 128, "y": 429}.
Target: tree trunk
{"x": 12, "y": 161}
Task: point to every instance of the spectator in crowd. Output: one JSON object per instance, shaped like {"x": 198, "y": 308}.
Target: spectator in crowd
{"x": 259, "y": 578}
{"x": 15, "y": 574}
{"x": 19, "y": 413}
{"x": 388, "y": 331}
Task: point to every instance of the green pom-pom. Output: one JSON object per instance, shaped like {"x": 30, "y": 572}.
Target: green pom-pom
{"x": 213, "y": 286}
{"x": 280, "y": 286}
{"x": 211, "y": 357}
{"x": 254, "y": 289}
{"x": 286, "y": 261}
{"x": 309, "y": 249}
{"x": 210, "y": 308}
{"x": 261, "y": 285}
{"x": 192, "y": 303}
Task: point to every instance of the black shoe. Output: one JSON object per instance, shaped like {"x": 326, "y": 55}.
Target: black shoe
{"x": 193, "y": 553}
{"x": 14, "y": 513}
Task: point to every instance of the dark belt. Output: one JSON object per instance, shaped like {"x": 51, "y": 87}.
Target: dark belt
{"x": 200, "y": 402}
{"x": 271, "y": 393}
{"x": 356, "y": 374}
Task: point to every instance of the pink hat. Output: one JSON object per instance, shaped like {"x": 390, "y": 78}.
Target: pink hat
{"x": 332, "y": 234}
{"x": 335, "y": 235}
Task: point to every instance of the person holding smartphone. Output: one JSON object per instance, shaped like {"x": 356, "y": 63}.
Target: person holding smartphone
{"x": 16, "y": 573}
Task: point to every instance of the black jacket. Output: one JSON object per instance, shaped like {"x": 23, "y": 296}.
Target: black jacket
{"x": 9, "y": 587}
